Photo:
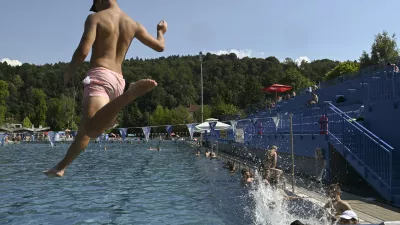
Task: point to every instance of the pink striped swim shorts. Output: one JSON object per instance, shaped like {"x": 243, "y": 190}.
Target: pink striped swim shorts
{"x": 103, "y": 82}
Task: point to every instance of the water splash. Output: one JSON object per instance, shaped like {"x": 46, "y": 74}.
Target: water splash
{"x": 270, "y": 207}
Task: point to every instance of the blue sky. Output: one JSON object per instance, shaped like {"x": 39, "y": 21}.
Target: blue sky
{"x": 48, "y": 31}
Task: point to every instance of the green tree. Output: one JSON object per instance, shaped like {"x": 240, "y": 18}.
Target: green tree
{"x": 316, "y": 69}
{"x": 18, "y": 82}
{"x": 238, "y": 82}
{"x": 56, "y": 117}
{"x": 39, "y": 107}
{"x": 3, "y": 111}
{"x": 132, "y": 116}
{"x": 348, "y": 67}
{"x": 294, "y": 78}
{"x": 383, "y": 49}
{"x": 73, "y": 126}
{"x": 252, "y": 99}
{"x": 26, "y": 122}
{"x": 68, "y": 106}
{"x": 365, "y": 60}
{"x": 3, "y": 92}
{"x": 180, "y": 115}
{"x": 161, "y": 116}
{"x": 207, "y": 111}
{"x": 221, "y": 109}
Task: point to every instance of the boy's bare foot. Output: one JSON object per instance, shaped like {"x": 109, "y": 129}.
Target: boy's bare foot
{"x": 54, "y": 172}
{"x": 140, "y": 88}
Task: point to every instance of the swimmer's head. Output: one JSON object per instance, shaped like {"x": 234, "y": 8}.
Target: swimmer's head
{"x": 274, "y": 147}
{"x": 99, "y": 5}
{"x": 334, "y": 189}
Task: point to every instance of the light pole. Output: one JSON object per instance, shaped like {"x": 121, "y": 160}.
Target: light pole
{"x": 201, "y": 83}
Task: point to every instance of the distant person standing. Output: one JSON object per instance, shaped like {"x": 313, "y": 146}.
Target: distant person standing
{"x": 393, "y": 67}
{"x": 272, "y": 174}
{"x": 271, "y": 158}
{"x": 320, "y": 163}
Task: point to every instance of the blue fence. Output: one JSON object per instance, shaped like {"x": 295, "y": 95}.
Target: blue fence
{"x": 373, "y": 152}
{"x": 384, "y": 86}
{"x": 369, "y": 150}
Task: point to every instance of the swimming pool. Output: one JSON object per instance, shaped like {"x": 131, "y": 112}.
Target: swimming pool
{"x": 127, "y": 184}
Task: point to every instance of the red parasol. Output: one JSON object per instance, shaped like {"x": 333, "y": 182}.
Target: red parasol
{"x": 277, "y": 88}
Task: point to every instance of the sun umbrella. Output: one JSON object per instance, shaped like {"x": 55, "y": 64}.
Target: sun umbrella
{"x": 277, "y": 88}
{"x": 206, "y": 126}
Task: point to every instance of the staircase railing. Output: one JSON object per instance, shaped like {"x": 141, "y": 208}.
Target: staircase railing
{"x": 384, "y": 87}
{"x": 371, "y": 151}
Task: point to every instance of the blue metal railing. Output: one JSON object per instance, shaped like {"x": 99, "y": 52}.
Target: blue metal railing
{"x": 301, "y": 124}
{"x": 374, "y": 153}
{"x": 370, "y": 150}
{"x": 373, "y": 70}
{"x": 385, "y": 86}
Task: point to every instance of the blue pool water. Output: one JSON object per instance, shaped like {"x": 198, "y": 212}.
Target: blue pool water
{"x": 127, "y": 184}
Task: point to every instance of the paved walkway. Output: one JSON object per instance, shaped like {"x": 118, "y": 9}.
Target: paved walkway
{"x": 368, "y": 210}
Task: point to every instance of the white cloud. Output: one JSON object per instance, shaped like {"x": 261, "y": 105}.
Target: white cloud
{"x": 300, "y": 59}
{"x": 11, "y": 62}
{"x": 240, "y": 53}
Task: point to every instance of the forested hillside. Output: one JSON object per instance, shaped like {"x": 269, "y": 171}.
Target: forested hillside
{"x": 35, "y": 94}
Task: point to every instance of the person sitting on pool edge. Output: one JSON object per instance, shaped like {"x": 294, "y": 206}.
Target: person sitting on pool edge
{"x": 232, "y": 167}
{"x": 348, "y": 217}
{"x": 335, "y": 205}
{"x": 213, "y": 155}
{"x": 227, "y": 164}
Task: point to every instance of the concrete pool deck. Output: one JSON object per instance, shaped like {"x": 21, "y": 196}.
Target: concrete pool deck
{"x": 369, "y": 211}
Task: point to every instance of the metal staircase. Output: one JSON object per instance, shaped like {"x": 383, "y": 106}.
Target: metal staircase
{"x": 369, "y": 155}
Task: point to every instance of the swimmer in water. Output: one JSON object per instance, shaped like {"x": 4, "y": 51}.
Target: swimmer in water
{"x": 213, "y": 155}
{"x": 247, "y": 176}
{"x": 335, "y": 205}
{"x": 108, "y": 33}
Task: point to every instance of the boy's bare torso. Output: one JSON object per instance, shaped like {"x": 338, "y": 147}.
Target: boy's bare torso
{"x": 338, "y": 206}
{"x": 114, "y": 34}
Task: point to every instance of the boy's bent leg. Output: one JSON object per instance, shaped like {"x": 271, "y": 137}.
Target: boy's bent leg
{"x": 107, "y": 114}
{"x": 90, "y": 106}
{"x": 80, "y": 142}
